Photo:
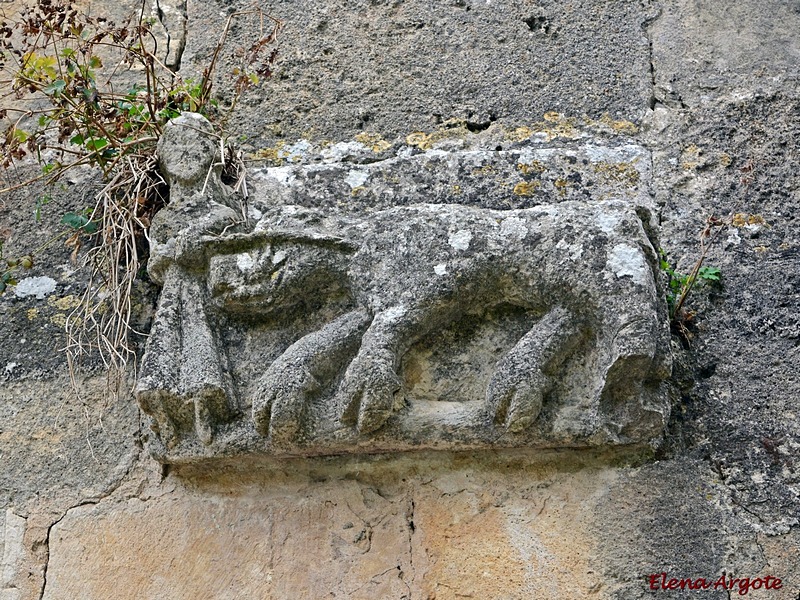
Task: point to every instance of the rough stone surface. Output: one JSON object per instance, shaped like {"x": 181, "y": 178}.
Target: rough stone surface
{"x": 442, "y": 527}
{"x": 397, "y": 67}
{"x": 713, "y": 90}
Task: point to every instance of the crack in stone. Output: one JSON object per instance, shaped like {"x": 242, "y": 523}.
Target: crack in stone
{"x": 646, "y": 26}
{"x": 47, "y": 543}
{"x": 411, "y": 529}
{"x": 113, "y": 487}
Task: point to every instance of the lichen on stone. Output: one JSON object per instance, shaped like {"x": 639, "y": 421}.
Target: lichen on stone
{"x": 624, "y": 173}
{"x": 373, "y": 141}
{"x": 526, "y": 188}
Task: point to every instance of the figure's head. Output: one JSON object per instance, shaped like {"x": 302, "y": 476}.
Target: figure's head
{"x": 187, "y": 151}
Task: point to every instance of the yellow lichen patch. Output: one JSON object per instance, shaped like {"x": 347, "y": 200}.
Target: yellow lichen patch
{"x": 520, "y": 134}
{"x": 276, "y": 155}
{"x": 620, "y": 126}
{"x": 561, "y": 185}
{"x": 526, "y": 188}
{"x": 483, "y": 171}
{"x": 624, "y": 173}
{"x": 690, "y": 157}
{"x": 32, "y": 314}
{"x": 59, "y": 319}
{"x": 65, "y": 303}
{"x": 358, "y": 190}
{"x": 744, "y": 219}
{"x": 725, "y": 159}
{"x": 556, "y": 125}
{"x": 373, "y": 141}
{"x": 761, "y": 249}
{"x": 450, "y": 129}
{"x": 531, "y": 167}
{"x": 418, "y": 139}
{"x": 456, "y": 190}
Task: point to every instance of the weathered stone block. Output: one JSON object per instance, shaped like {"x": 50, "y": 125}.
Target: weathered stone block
{"x": 319, "y": 329}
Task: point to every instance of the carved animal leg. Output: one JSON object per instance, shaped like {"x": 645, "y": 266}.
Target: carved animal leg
{"x": 520, "y": 381}
{"x": 204, "y": 381}
{"x": 281, "y": 398}
{"x": 635, "y": 336}
{"x": 634, "y": 354}
{"x": 371, "y": 382}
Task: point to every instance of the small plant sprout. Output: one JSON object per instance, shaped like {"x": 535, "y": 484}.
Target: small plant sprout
{"x": 680, "y": 286}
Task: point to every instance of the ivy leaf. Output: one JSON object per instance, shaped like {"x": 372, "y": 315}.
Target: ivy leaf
{"x": 79, "y": 222}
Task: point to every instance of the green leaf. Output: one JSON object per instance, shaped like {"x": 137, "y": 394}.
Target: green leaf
{"x": 55, "y": 88}
{"x": 76, "y": 139}
{"x": 96, "y": 144}
{"x": 79, "y": 222}
{"x": 74, "y": 220}
{"x": 40, "y": 202}
{"x": 709, "y": 273}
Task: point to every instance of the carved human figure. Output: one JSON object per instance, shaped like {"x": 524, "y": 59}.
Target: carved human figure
{"x": 182, "y": 376}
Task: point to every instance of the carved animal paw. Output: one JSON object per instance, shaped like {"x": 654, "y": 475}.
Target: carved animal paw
{"x": 280, "y": 401}
{"x": 519, "y": 383}
{"x": 368, "y": 392}
{"x": 516, "y": 403}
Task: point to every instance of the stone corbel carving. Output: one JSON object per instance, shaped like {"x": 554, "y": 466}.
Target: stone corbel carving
{"x": 324, "y": 331}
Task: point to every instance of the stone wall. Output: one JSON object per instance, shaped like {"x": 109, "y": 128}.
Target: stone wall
{"x": 708, "y": 90}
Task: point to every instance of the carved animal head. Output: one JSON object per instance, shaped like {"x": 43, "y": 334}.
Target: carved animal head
{"x": 279, "y": 271}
